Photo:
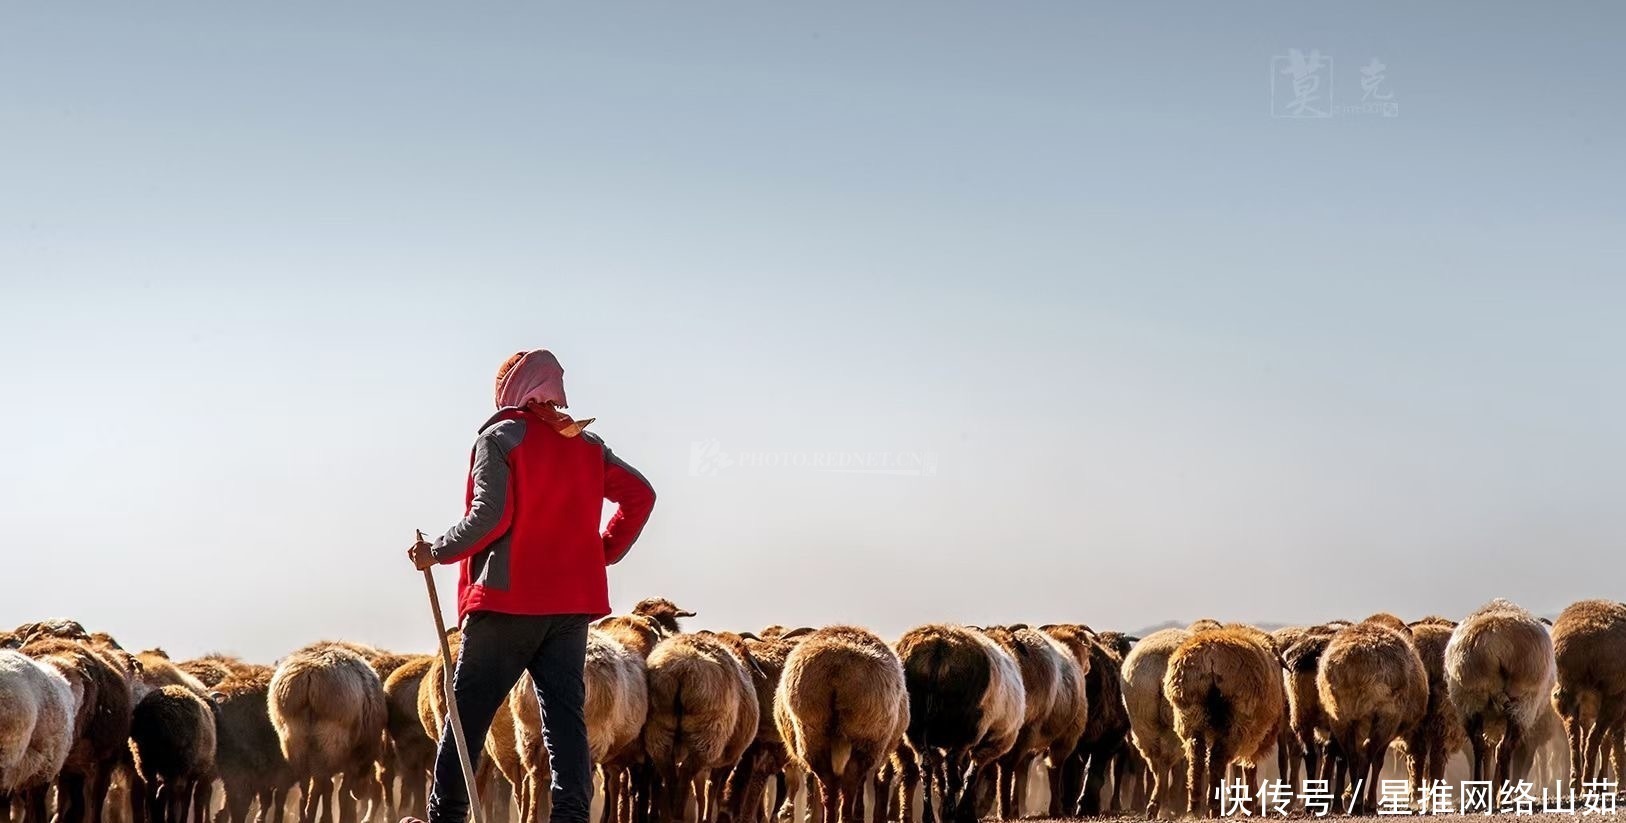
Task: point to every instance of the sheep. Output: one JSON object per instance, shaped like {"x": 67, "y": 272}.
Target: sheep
{"x": 1374, "y": 690}
{"x": 1307, "y": 720}
{"x": 1040, "y": 664}
{"x": 1151, "y": 717}
{"x": 209, "y": 672}
{"x": 1291, "y": 748}
{"x": 156, "y": 670}
{"x": 328, "y": 708}
{"x": 616, "y": 704}
{"x": 716, "y": 782}
{"x": 37, "y": 713}
{"x": 1065, "y": 724}
{"x": 173, "y": 742}
{"x": 635, "y": 631}
{"x": 413, "y": 750}
{"x": 841, "y": 707}
{"x": 1499, "y": 670}
{"x": 1441, "y": 733}
{"x": 702, "y": 714}
{"x": 249, "y": 758}
{"x": 1106, "y": 730}
{"x": 664, "y": 612}
{"x": 967, "y": 706}
{"x": 1225, "y": 687}
{"x": 1589, "y": 647}
{"x": 766, "y": 755}
{"x": 102, "y": 729}
{"x": 639, "y": 635}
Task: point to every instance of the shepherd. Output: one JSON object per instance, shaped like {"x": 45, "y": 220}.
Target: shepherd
{"x": 531, "y": 575}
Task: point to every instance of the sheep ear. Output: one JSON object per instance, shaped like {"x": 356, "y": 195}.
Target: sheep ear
{"x": 794, "y": 633}
{"x": 1016, "y": 627}
{"x": 749, "y": 636}
{"x": 683, "y": 613}
{"x": 1129, "y": 638}
{"x": 1545, "y": 620}
{"x": 217, "y": 696}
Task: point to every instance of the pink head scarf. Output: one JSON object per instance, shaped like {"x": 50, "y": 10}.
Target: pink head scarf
{"x": 536, "y": 380}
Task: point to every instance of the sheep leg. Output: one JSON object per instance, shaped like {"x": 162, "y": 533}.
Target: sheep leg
{"x": 1375, "y": 759}
{"x": 1155, "y": 797}
{"x": 1095, "y": 778}
{"x": 1120, "y": 770}
{"x": 928, "y": 777}
{"x": 612, "y": 794}
{"x": 1219, "y": 765}
{"x": 1054, "y": 776}
{"x": 1196, "y": 776}
{"x": 1018, "y": 786}
{"x": 1618, "y": 752}
{"x": 1505, "y": 753}
{"x": 908, "y": 787}
{"x": 1066, "y": 778}
{"x": 882, "y": 782}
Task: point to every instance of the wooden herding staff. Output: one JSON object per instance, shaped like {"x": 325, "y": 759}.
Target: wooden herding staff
{"x": 451, "y": 698}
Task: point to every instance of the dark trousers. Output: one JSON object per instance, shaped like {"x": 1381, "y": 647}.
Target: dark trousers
{"x": 496, "y": 650}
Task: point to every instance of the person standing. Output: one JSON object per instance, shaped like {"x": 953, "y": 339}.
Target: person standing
{"x": 532, "y": 575}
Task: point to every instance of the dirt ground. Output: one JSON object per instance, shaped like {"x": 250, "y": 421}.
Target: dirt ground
{"x": 1536, "y": 818}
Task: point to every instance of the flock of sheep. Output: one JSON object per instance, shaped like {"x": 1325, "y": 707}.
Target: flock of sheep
{"x": 721, "y": 727}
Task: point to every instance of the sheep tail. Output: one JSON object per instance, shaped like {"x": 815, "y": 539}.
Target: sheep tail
{"x": 841, "y": 749}
{"x": 1218, "y": 709}
{"x": 934, "y": 670}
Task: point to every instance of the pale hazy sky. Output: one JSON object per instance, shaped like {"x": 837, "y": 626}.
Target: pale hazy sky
{"x": 1167, "y": 355}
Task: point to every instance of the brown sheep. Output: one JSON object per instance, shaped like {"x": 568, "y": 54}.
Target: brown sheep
{"x": 1441, "y": 734}
{"x": 1106, "y": 731}
{"x": 966, "y": 710}
{"x": 766, "y": 756}
{"x": 249, "y": 755}
{"x": 1291, "y": 748}
{"x": 635, "y": 631}
{"x": 841, "y": 708}
{"x": 664, "y": 612}
{"x": 102, "y": 728}
{"x": 1499, "y": 671}
{"x": 1307, "y": 721}
{"x": 209, "y": 672}
{"x": 328, "y": 707}
{"x": 1374, "y": 690}
{"x": 716, "y": 783}
{"x": 413, "y": 749}
{"x": 1041, "y": 662}
{"x": 639, "y": 635}
{"x": 1225, "y": 687}
{"x": 156, "y": 671}
{"x": 172, "y": 740}
{"x": 1151, "y": 717}
{"x": 1589, "y": 645}
{"x": 1064, "y": 727}
{"x": 1068, "y": 768}
{"x": 701, "y": 705}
